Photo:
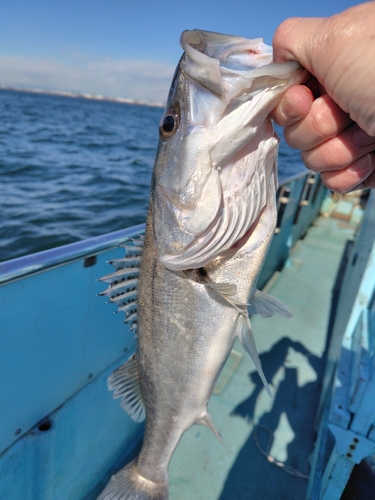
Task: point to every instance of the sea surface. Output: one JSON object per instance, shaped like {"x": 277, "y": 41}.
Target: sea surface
{"x": 73, "y": 168}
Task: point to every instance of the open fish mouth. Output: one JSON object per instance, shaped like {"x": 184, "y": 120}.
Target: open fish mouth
{"x": 213, "y": 184}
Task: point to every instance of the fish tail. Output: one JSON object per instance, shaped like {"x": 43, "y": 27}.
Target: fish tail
{"x": 129, "y": 484}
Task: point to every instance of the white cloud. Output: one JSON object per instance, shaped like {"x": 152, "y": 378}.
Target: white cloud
{"x": 146, "y": 80}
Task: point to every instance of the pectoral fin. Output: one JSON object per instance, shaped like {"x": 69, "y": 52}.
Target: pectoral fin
{"x": 226, "y": 290}
{"x": 266, "y": 306}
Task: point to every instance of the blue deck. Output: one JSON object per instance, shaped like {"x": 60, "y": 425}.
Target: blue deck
{"x": 62, "y": 435}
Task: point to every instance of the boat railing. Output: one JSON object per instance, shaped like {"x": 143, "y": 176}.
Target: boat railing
{"x": 47, "y": 259}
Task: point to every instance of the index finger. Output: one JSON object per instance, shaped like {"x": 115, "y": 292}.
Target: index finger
{"x": 294, "y": 106}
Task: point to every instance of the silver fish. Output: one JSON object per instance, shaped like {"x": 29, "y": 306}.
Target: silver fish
{"x": 211, "y": 218}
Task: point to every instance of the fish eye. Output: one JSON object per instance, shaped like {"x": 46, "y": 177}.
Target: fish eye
{"x": 169, "y": 124}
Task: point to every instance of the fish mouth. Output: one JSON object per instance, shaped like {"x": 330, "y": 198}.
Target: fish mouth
{"x": 208, "y": 55}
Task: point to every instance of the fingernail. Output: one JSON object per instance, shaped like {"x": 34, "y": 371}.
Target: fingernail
{"x": 361, "y": 138}
{"x": 288, "y": 109}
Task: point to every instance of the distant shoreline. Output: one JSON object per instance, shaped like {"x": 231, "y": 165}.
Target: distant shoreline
{"x": 83, "y": 95}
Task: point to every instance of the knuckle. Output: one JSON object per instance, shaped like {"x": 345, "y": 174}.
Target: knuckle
{"x": 283, "y": 40}
{"x": 282, "y": 30}
{"x": 331, "y": 155}
{"x": 335, "y": 156}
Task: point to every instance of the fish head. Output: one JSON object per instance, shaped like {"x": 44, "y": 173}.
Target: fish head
{"x": 217, "y": 149}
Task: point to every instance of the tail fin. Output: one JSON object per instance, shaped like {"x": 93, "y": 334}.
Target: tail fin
{"x": 128, "y": 484}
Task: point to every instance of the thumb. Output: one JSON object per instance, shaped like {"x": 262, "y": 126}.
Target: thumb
{"x": 300, "y": 39}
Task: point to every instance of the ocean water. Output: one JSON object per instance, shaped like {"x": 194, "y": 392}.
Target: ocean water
{"x": 73, "y": 168}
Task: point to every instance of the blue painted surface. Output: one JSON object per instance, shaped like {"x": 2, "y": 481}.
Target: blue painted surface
{"x": 296, "y": 219}
{"x": 346, "y": 427}
{"x": 282, "y": 243}
{"x": 55, "y": 336}
{"x": 311, "y": 197}
{"x": 69, "y": 459}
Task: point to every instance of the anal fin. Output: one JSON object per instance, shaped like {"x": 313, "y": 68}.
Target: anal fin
{"x": 126, "y": 384}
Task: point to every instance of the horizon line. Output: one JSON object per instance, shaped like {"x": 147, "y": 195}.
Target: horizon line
{"x": 84, "y": 95}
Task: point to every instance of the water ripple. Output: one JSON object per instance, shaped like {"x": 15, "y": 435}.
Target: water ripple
{"x": 75, "y": 168}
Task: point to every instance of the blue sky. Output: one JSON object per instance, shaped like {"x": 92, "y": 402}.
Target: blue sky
{"x": 125, "y": 48}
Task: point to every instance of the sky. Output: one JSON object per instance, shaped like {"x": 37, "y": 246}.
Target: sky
{"x": 125, "y": 48}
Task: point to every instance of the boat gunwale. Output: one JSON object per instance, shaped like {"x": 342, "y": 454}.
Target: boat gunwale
{"x": 27, "y": 265}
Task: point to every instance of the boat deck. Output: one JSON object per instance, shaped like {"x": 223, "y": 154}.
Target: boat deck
{"x": 292, "y": 355}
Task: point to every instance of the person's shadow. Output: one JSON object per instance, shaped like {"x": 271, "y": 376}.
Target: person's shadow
{"x": 251, "y": 475}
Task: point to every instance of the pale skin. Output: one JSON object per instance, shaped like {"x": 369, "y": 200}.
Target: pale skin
{"x": 331, "y": 118}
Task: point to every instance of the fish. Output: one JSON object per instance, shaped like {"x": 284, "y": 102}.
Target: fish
{"x": 189, "y": 286}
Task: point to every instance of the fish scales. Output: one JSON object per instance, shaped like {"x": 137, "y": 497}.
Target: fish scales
{"x": 211, "y": 218}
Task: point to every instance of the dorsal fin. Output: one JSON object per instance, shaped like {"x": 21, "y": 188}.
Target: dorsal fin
{"x": 123, "y": 283}
{"x": 125, "y": 382}
{"x": 120, "y": 275}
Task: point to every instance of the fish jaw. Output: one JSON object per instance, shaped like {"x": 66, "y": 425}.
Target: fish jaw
{"x": 206, "y": 51}
{"x": 218, "y": 156}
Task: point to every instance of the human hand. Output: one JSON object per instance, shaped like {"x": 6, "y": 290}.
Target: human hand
{"x": 332, "y": 117}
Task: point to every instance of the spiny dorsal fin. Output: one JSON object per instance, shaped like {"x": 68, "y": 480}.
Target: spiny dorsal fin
{"x": 125, "y": 262}
{"x": 120, "y": 275}
{"x": 266, "y": 306}
{"x": 245, "y": 334}
{"x": 138, "y": 240}
{"x": 114, "y": 291}
{"x": 123, "y": 283}
{"x": 132, "y": 251}
{"x": 125, "y": 382}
